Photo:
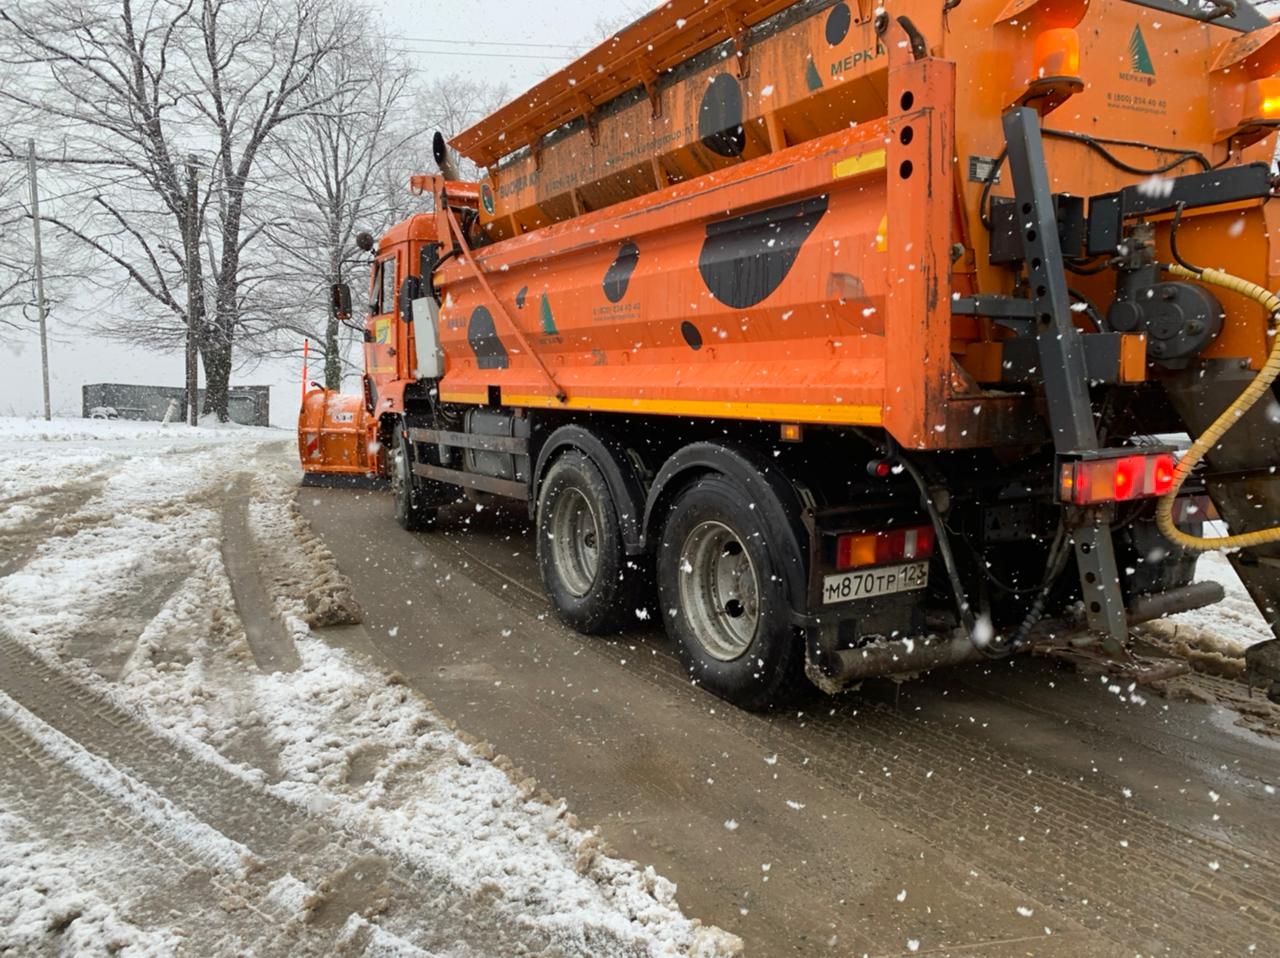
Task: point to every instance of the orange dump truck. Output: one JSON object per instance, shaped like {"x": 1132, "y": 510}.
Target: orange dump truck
{"x": 840, "y": 334}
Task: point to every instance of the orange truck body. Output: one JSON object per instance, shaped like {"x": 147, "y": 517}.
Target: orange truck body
{"x": 844, "y": 318}
{"x": 782, "y": 216}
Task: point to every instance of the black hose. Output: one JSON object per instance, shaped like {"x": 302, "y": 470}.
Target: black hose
{"x": 1173, "y": 239}
{"x": 984, "y": 214}
{"x": 1054, "y": 564}
{"x": 1088, "y": 308}
{"x": 963, "y": 608}
{"x": 1082, "y": 269}
{"x": 1096, "y": 143}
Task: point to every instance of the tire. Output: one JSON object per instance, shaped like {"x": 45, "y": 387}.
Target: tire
{"x": 593, "y": 585}
{"x": 411, "y": 513}
{"x": 723, "y": 598}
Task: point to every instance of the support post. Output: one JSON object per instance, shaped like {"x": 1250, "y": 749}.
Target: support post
{"x": 39, "y": 257}
{"x": 1063, "y": 365}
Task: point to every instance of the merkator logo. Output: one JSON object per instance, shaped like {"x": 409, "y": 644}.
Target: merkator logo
{"x": 1139, "y": 55}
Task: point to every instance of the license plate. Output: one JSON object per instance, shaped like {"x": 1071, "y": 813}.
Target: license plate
{"x": 865, "y": 583}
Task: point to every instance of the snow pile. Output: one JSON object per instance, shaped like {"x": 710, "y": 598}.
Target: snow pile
{"x": 132, "y": 594}
{"x": 13, "y": 429}
{"x": 1216, "y": 636}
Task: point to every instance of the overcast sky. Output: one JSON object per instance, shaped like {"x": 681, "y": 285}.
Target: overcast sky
{"x": 516, "y": 42}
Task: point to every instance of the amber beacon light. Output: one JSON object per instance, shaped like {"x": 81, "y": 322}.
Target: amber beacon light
{"x": 1262, "y": 100}
{"x": 1055, "y": 69}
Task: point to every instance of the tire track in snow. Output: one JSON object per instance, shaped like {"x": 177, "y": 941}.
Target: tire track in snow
{"x": 286, "y": 838}
{"x": 134, "y": 844}
{"x": 20, "y": 540}
{"x": 269, "y": 641}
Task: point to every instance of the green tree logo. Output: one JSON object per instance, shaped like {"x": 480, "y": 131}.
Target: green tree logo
{"x": 1139, "y": 55}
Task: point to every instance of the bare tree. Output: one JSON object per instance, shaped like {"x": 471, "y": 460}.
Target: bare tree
{"x": 15, "y": 255}
{"x": 329, "y": 178}
{"x": 344, "y": 170}
{"x": 131, "y": 89}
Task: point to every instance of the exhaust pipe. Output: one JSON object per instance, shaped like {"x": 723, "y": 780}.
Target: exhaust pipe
{"x": 444, "y": 160}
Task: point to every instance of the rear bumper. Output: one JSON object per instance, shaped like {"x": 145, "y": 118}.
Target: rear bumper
{"x": 834, "y": 668}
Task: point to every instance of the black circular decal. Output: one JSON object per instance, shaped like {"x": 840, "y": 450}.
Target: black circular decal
{"x": 521, "y": 297}
{"x": 745, "y": 259}
{"x": 720, "y": 117}
{"x": 618, "y": 276}
{"x": 839, "y": 20}
{"x": 483, "y": 337}
{"x": 691, "y": 335}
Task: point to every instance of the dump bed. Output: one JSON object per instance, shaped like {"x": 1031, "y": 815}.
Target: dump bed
{"x": 798, "y": 220}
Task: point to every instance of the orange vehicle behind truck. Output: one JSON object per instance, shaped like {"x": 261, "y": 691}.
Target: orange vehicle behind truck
{"x": 852, "y": 326}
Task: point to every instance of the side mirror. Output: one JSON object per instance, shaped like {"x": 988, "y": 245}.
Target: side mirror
{"x": 364, "y": 241}
{"x": 341, "y": 300}
{"x": 410, "y": 290}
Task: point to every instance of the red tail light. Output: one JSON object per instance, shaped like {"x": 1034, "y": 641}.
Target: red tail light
{"x": 1088, "y": 482}
{"x": 1163, "y": 476}
{"x": 879, "y": 548}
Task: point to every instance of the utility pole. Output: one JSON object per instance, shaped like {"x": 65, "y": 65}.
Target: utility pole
{"x": 194, "y": 293}
{"x": 40, "y": 307}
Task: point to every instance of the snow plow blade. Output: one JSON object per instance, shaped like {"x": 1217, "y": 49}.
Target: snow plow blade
{"x": 337, "y": 440}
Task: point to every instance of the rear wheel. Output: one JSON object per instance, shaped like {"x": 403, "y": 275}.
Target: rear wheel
{"x": 723, "y": 600}
{"x": 581, "y": 555}
{"x": 411, "y": 512}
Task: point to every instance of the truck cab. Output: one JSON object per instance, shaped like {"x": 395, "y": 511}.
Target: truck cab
{"x": 405, "y": 253}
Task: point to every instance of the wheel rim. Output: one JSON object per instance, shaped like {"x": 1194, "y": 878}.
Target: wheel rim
{"x": 719, "y": 590}
{"x": 575, "y": 541}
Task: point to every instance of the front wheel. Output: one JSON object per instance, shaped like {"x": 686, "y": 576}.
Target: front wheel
{"x": 411, "y": 512}
{"x": 723, "y": 599}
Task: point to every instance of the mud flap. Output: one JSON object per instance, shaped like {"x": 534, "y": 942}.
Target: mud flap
{"x": 1241, "y": 472}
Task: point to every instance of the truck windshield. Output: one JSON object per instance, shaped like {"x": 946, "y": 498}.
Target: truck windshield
{"x": 1232, "y": 14}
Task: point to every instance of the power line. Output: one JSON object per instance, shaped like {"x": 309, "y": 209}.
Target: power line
{"x": 483, "y": 43}
{"x": 475, "y": 53}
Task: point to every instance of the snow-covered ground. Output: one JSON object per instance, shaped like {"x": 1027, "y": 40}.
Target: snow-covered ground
{"x": 122, "y": 547}
{"x": 1233, "y": 621}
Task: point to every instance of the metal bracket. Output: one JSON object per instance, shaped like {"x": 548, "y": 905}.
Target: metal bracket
{"x": 741, "y": 43}
{"x": 1063, "y": 364}
{"x": 588, "y": 111}
{"x": 653, "y": 93}
{"x": 468, "y": 257}
{"x": 1108, "y": 211}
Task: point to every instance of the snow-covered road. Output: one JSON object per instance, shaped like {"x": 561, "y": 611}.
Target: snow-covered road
{"x": 194, "y": 771}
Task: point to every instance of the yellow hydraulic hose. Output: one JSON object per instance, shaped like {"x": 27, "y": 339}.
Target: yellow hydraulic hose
{"x": 1256, "y": 389}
